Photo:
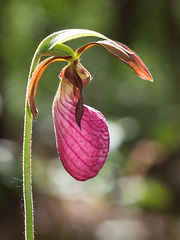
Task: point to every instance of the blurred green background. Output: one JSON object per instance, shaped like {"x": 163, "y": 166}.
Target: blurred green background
{"x": 136, "y": 195}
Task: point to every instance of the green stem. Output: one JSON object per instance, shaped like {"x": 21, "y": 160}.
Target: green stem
{"x": 27, "y": 175}
{"x": 26, "y": 162}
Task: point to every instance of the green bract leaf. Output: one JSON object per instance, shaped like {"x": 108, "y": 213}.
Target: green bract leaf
{"x": 52, "y": 44}
{"x": 64, "y": 36}
{"x": 59, "y": 50}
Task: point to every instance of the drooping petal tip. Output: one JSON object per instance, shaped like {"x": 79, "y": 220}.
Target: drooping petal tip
{"x": 139, "y": 67}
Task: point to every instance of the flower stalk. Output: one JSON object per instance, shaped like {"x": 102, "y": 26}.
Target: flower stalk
{"x": 82, "y": 136}
{"x": 27, "y": 175}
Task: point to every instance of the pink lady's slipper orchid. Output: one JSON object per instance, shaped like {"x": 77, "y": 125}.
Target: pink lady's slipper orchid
{"x": 82, "y": 135}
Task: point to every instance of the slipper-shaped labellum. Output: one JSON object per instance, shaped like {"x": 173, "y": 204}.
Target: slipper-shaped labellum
{"x": 82, "y": 135}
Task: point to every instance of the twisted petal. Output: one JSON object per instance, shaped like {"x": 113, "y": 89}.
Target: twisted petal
{"x": 82, "y": 152}
{"x": 33, "y": 82}
{"x": 122, "y": 52}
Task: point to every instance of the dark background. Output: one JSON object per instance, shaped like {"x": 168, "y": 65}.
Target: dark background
{"x": 136, "y": 195}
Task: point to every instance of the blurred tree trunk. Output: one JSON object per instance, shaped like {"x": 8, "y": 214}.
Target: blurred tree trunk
{"x": 125, "y": 24}
{"x": 2, "y": 125}
{"x": 173, "y": 40}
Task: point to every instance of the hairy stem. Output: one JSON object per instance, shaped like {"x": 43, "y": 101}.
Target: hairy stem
{"x": 26, "y": 160}
{"x": 27, "y": 175}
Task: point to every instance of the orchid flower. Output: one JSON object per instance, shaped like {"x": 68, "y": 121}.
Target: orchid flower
{"x": 82, "y": 135}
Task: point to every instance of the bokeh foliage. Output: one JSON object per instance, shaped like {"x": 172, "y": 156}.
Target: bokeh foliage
{"x": 142, "y": 171}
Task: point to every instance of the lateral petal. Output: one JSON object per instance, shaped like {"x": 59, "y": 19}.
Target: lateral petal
{"x": 122, "y": 52}
{"x": 33, "y": 82}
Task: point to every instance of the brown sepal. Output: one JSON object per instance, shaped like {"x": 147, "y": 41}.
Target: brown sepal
{"x": 33, "y": 82}
{"x": 74, "y": 78}
{"x": 125, "y": 54}
{"x": 79, "y": 111}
